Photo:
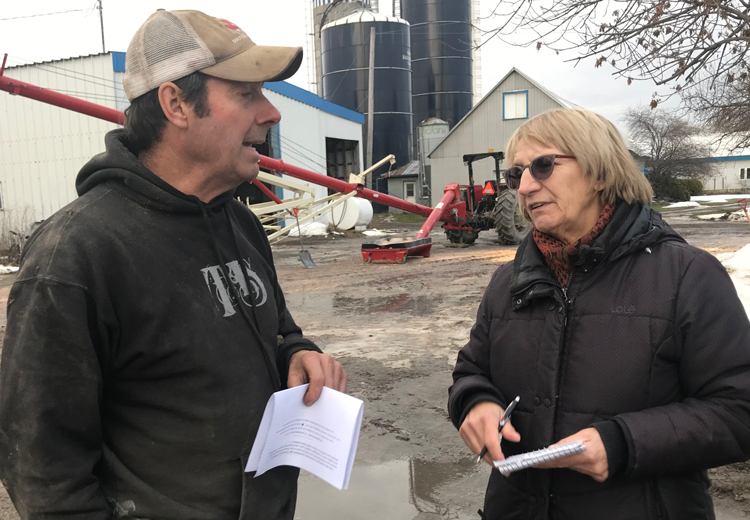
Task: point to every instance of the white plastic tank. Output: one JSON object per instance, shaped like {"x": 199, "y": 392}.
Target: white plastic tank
{"x": 354, "y": 212}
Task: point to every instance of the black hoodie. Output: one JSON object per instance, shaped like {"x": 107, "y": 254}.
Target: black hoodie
{"x": 146, "y": 332}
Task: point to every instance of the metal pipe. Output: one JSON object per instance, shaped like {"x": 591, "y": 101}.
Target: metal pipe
{"x": 470, "y": 189}
{"x": 267, "y": 191}
{"x": 436, "y": 215}
{"x": 21, "y": 88}
{"x": 101, "y": 20}
{"x": 280, "y": 166}
{"x": 51, "y": 97}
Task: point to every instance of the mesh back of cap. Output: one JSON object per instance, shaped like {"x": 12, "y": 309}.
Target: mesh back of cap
{"x": 165, "y": 48}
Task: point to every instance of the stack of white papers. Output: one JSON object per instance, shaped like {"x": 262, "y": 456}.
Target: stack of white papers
{"x": 321, "y": 438}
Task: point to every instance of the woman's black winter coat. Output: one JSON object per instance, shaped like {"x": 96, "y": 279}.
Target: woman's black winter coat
{"x": 648, "y": 337}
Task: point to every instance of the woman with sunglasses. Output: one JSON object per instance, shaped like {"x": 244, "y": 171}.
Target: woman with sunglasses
{"x": 613, "y": 331}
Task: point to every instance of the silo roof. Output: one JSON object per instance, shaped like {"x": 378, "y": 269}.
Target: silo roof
{"x": 365, "y": 16}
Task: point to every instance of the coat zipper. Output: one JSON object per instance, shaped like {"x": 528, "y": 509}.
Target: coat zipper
{"x": 567, "y": 305}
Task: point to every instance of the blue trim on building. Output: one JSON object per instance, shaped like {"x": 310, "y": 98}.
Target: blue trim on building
{"x": 527, "y": 104}
{"x": 118, "y": 61}
{"x": 729, "y": 158}
{"x": 308, "y": 98}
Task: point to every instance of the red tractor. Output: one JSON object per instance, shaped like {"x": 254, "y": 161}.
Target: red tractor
{"x": 492, "y": 206}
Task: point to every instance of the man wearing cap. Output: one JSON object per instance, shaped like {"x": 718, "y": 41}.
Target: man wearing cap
{"x": 147, "y": 329}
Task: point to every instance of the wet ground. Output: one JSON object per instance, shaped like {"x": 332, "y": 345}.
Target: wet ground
{"x": 397, "y": 330}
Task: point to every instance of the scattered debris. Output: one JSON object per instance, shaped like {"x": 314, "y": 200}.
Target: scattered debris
{"x": 729, "y": 216}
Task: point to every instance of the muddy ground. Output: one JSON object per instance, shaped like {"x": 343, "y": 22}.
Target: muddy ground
{"x": 397, "y": 329}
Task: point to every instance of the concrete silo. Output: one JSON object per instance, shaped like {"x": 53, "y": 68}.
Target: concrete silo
{"x": 441, "y": 58}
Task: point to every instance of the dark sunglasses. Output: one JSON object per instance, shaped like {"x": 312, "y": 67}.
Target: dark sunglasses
{"x": 540, "y": 168}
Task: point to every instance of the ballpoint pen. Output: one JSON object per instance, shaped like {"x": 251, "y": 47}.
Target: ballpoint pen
{"x": 506, "y": 418}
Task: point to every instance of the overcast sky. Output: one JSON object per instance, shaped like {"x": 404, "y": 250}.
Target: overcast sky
{"x": 283, "y": 22}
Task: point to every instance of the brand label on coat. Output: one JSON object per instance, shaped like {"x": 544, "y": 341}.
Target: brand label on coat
{"x": 220, "y": 290}
{"x": 623, "y": 309}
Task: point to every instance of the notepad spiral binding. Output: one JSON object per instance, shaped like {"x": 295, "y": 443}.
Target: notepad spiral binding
{"x": 532, "y": 458}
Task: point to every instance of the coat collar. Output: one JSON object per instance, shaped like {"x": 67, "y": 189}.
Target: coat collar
{"x": 633, "y": 228}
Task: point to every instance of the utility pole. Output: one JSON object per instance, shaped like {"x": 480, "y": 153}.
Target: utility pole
{"x": 371, "y": 98}
{"x": 101, "y": 21}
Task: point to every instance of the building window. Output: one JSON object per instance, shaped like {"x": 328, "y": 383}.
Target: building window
{"x": 742, "y": 173}
{"x": 342, "y": 158}
{"x": 516, "y": 105}
{"x": 409, "y": 189}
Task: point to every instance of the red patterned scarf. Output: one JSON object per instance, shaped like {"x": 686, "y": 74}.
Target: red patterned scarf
{"x": 560, "y": 257}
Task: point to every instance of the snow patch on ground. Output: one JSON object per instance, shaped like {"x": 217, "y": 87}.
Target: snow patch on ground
{"x": 688, "y": 204}
{"x": 738, "y": 267}
{"x": 374, "y": 233}
{"x": 311, "y": 229}
{"x": 7, "y": 269}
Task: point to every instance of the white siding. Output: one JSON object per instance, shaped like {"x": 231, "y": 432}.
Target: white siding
{"x": 482, "y": 130}
{"x": 303, "y": 131}
{"x": 42, "y": 147}
{"x": 728, "y": 176}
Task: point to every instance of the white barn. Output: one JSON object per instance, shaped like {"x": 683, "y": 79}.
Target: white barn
{"x": 733, "y": 173}
{"x": 42, "y": 147}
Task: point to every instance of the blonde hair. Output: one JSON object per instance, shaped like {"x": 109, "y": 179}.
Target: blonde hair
{"x": 598, "y": 147}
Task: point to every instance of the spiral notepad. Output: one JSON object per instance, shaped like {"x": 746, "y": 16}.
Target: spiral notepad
{"x": 532, "y": 458}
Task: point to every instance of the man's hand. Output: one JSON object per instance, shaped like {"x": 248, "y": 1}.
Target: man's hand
{"x": 592, "y": 462}
{"x": 308, "y": 366}
{"x": 479, "y": 429}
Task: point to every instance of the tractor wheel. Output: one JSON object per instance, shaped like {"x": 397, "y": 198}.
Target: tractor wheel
{"x": 510, "y": 225}
{"x": 460, "y": 236}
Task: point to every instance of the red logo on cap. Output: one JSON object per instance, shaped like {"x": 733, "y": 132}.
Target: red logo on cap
{"x": 230, "y": 25}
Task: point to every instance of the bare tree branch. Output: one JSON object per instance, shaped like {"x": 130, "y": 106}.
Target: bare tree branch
{"x": 697, "y": 47}
{"x": 673, "y": 148}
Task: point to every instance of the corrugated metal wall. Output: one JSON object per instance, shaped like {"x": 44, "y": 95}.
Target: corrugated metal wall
{"x": 481, "y": 130}
{"x": 42, "y": 147}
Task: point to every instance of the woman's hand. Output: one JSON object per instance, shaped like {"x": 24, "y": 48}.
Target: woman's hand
{"x": 592, "y": 462}
{"x": 479, "y": 429}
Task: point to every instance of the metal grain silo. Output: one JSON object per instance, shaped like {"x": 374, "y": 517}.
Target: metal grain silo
{"x": 441, "y": 58}
{"x": 323, "y": 12}
{"x": 345, "y": 55}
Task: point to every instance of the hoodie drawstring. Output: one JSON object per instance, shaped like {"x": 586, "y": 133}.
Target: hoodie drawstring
{"x": 270, "y": 364}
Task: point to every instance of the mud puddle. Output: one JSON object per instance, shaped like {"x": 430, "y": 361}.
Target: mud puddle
{"x": 402, "y": 303}
{"x": 397, "y": 490}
